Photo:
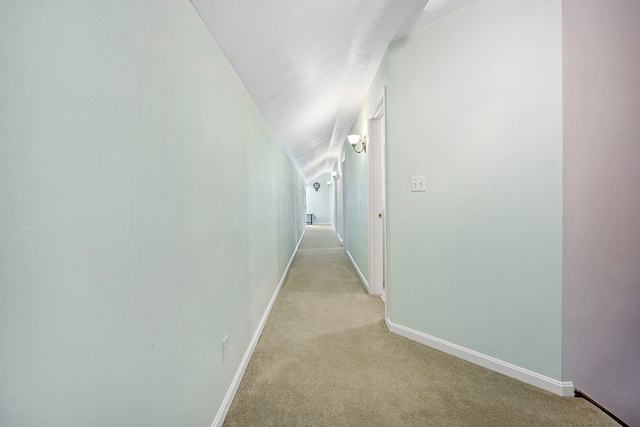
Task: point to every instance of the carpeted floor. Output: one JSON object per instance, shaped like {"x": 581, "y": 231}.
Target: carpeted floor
{"x": 326, "y": 358}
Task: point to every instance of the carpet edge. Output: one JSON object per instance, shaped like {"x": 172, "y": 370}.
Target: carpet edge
{"x": 233, "y": 387}
{"x": 362, "y": 278}
{"x": 560, "y": 388}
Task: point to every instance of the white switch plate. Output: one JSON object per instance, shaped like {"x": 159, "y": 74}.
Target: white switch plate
{"x": 419, "y": 183}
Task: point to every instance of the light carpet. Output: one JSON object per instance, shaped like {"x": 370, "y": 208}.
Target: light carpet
{"x": 326, "y": 358}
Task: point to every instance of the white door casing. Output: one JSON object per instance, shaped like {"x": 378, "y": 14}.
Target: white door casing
{"x": 376, "y": 148}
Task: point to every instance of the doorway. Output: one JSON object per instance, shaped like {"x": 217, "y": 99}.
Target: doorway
{"x": 377, "y": 197}
{"x": 334, "y": 204}
{"x": 343, "y": 189}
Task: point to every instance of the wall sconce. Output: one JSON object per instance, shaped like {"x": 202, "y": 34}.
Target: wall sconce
{"x": 335, "y": 175}
{"x": 354, "y": 140}
{"x": 329, "y": 184}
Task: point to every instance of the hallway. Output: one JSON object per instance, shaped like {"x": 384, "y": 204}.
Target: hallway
{"x": 326, "y": 358}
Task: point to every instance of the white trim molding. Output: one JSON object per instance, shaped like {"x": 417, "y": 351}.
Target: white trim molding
{"x": 561, "y": 388}
{"x": 376, "y": 231}
{"x": 364, "y": 281}
{"x": 233, "y": 388}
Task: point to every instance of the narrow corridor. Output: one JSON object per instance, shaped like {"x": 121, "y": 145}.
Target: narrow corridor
{"x": 326, "y": 358}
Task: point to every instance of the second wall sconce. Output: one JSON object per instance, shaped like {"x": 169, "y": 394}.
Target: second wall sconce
{"x": 354, "y": 140}
{"x": 335, "y": 175}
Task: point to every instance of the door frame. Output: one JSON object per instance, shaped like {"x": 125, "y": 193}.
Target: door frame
{"x": 334, "y": 203}
{"x": 376, "y": 128}
{"x": 343, "y": 183}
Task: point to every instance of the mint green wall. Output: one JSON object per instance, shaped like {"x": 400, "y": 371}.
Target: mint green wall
{"x": 319, "y": 202}
{"x": 339, "y": 219}
{"x": 146, "y": 212}
{"x": 357, "y": 178}
{"x": 475, "y": 104}
{"x": 356, "y": 175}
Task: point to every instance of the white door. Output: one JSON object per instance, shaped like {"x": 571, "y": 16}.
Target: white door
{"x": 343, "y": 181}
{"x": 377, "y": 196}
{"x": 334, "y": 204}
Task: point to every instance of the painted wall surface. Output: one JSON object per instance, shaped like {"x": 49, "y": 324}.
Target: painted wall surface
{"x": 333, "y": 199}
{"x": 142, "y": 196}
{"x": 475, "y": 104}
{"x": 601, "y": 306}
{"x": 319, "y": 202}
{"x": 357, "y": 181}
{"x": 339, "y": 197}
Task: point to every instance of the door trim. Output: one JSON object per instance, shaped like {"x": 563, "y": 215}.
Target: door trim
{"x": 376, "y": 130}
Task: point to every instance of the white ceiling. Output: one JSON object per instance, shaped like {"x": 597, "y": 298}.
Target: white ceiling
{"x": 308, "y": 64}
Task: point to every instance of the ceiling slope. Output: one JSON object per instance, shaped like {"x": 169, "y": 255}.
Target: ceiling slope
{"x": 308, "y": 65}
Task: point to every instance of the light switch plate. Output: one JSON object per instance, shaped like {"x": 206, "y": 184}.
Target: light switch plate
{"x": 418, "y": 183}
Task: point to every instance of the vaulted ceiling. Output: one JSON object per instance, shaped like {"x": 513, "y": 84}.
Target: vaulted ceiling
{"x": 308, "y": 64}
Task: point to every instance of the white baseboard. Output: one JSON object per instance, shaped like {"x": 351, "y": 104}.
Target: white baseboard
{"x": 233, "y": 388}
{"x": 340, "y": 238}
{"x": 561, "y": 388}
{"x": 364, "y": 281}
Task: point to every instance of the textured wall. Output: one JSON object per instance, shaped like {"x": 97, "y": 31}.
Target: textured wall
{"x": 146, "y": 212}
{"x": 474, "y": 103}
{"x": 356, "y": 176}
{"x": 319, "y": 202}
{"x": 338, "y": 188}
{"x": 601, "y": 309}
